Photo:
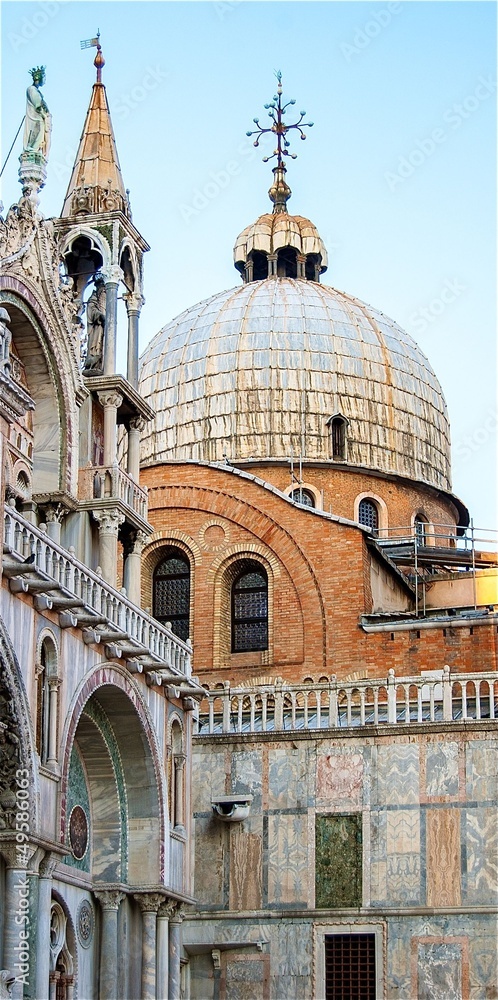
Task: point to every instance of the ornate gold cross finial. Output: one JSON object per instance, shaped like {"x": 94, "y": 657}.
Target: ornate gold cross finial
{"x": 99, "y": 60}
{"x": 280, "y": 192}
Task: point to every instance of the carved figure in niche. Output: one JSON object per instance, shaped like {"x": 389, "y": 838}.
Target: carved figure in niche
{"x": 5, "y": 341}
{"x": 95, "y": 323}
{"x": 38, "y": 124}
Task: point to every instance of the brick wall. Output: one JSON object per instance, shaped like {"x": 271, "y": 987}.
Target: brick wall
{"x": 319, "y": 583}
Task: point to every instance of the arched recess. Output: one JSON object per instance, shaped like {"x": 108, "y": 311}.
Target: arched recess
{"x": 224, "y": 577}
{"x": 63, "y": 950}
{"x": 380, "y": 506}
{"x": 17, "y": 741}
{"x": 52, "y": 432}
{"x": 121, "y": 793}
{"x": 153, "y": 555}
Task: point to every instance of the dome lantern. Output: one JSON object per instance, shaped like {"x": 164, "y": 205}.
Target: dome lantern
{"x": 278, "y": 244}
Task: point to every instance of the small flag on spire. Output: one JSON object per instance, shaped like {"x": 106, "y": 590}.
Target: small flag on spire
{"x": 90, "y": 42}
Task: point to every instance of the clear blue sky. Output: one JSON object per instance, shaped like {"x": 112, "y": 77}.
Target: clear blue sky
{"x": 398, "y": 172}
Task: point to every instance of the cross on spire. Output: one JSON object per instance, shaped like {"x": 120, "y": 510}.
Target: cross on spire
{"x": 280, "y": 191}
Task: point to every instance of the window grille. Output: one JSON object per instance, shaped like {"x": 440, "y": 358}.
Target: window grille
{"x": 420, "y": 530}
{"x": 350, "y": 967}
{"x": 303, "y": 497}
{"x": 250, "y": 610}
{"x": 172, "y": 592}
{"x": 368, "y": 514}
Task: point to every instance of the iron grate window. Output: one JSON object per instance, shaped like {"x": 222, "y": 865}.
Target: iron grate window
{"x": 250, "y": 610}
{"x": 350, "y": 967}
{"x": 172, "y": 593}
{"x": 368, "y": 514}
{"x": 303, "y": 497}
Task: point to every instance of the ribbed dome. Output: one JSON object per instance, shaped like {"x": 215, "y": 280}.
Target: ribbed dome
{"x": 271, "y": 232}
{"x": 256, "y": 372}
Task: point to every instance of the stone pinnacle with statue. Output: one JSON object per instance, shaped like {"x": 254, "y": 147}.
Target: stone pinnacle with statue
{"x": 36, "y": 138}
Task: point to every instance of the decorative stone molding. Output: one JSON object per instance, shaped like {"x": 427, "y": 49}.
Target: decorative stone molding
{"x": 85, "y": 923}
{"x": 109, "y": 521}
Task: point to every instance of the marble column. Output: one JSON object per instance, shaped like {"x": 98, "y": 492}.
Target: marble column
{"x": 175, "y": 948}
{"x": 133, "y": 568}
{"x": 133, "y": 306}
{"x": 53, "y": 695}
{"x": 164, "y": 913}
{"x": 54, "y": 514}
{"x": 45, "y": 873}
{"x": 111, "y": 318}
{"x": 16, "y": 958}
{"x": 179, "y": 763}
{"x": 111, "y": 401}
{"x": 109, "y": 900}
{"x": 108, "y": 522}
{"x": 149, "y": 903}
{"x": 135, "y": 429}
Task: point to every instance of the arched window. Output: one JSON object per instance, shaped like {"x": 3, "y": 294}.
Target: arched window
{"x": 42, "y": 706}
{"x": 338, "y": 427}
{"x": 171, "y": 588}
{"x": 368, "y": 513}
{"x": 303, "y": 497}
{"x": 250, "y": 608}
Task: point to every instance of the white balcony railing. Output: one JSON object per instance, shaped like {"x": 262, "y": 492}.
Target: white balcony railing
{"x": 75, "y": 579}
{"x": 98, "y": 482}
{"x": 333, "y": 705}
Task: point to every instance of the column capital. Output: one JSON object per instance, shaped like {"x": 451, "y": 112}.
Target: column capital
{"x": 140, "y": 542}
{"x": 47, "y": 865}
{"x": 179, "y": 914}
{"x": 149, "y": 902}
{"x": 109, "y": 899}
{"x": 54, "y": 683}
{"x": 55, "y": 512}
{"x": 180, "y": 760}
{"x": 17, "y": 856}
{"x": 134, "y": 302}
{"x": 113, "y": 274}
{"x": 109, "y": 397}
{"x": 137, "y": 424}
{"x": 167, "y": 908}
{"x": 108, "y": 521}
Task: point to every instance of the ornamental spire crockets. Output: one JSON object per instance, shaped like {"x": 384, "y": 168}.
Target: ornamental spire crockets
{"x": 280, "y": 191}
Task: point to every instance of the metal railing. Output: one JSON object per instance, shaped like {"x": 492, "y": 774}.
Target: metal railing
{"x": 77, "y": 580}
{"x": 394, "y": 700}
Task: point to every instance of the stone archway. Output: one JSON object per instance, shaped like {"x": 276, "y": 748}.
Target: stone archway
{"x": 112, "y": 786}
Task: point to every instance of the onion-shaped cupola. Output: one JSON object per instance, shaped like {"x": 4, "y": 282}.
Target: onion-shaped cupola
{"x": 279, "y": 244}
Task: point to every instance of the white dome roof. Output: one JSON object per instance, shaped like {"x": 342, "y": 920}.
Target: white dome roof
{"x": 256, "y": 372}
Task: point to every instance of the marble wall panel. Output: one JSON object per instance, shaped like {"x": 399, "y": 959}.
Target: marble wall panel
{"x": 208, "y": 864}
{"x": 403, "y": 856}
{"x": 339, "y": 780}
{"x": 441, "y": 769}
{"x": 481, "y": 838}
{"x": 287, "y": 860}
{"x": 247, "y": 775}
{"x": 482, "y": 771}
{"x": 244, "y": 977}
{"x": 397, "y": 775}
{"x": 246, "y": 850}
{"x": 483, "y": 964}
{"x": 338, "y": 866}
{"x": 443, "y": 863}
{"x": 208, "y": 779}
{"x": 439, "y": 971}
{"x": 292, "y": 948}
{"x": 288, "y": 778}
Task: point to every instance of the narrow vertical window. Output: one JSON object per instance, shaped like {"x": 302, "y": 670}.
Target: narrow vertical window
{"x": 171, "y": 588}
{"x": 250, "y": 609}
{"x": 420, "y": 530}
{"x": 42, "y": 706}
{"x": 338, "y": 438}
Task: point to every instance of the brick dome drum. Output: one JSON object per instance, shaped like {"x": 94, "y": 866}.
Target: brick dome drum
{"x": 257, "y": 372}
